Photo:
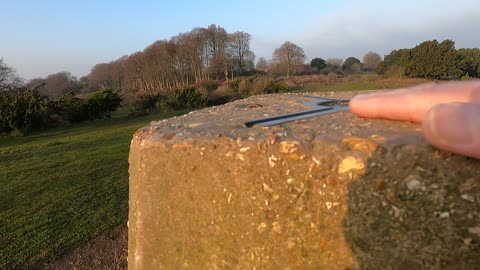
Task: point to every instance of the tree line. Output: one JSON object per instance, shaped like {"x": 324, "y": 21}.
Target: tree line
{"x": 289, "y": 59}
{"x": 434, "y": 60}
{"x": 212, "y": 53}
{"x": 22, "y": 110}
{"x": 9, "y": 80}
{"x": 206, "y": 66}
{"x": 189, "y": 58}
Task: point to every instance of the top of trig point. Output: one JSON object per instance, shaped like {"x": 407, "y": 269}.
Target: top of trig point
{"x": 228, "y": 121}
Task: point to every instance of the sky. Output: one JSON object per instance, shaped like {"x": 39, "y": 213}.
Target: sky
{"x": 48, "y": 36}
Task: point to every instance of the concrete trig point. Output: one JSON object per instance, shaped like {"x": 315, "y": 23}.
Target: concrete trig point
{"x": 329, "y": 192}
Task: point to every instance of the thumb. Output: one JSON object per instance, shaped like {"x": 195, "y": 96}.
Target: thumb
{"x": 454, "y": 127}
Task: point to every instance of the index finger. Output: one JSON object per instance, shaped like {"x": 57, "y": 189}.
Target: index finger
{"x": 411, "y": 104}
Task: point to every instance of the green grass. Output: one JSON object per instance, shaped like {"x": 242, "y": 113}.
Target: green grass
{"x": 355, "y": 86}
{"x": 62, "y": 187}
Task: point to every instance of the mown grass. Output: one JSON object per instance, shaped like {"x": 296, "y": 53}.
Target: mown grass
{"x": 62, "y": 187}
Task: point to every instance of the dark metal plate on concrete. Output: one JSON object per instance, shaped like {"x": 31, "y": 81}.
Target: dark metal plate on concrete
{"x": 320, "y": 107}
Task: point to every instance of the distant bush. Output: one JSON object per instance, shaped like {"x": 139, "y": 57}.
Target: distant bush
{"x": 186, "y": 98}
{"x": 209, "y": 85}
{"x": 20, "y": 111}
{"x": 256, "y": 85}
{"x": 276, "y": 87}
{"x": 97, "y": 105}
{"x": 148, "y": 104}
{"x": 395, "y": 71}
{"x": 222, "y": 95}
{"x": 433, "y": 60}
{"x": 100, "y": 103}
{"x": 164, "y": 104}
{"x": 189, "y": 98}
{"x": 144, "y": 104}
{"x": 23, "y": 110}
{"x": 235, "y": 85}
{"x": 71, "y": 108}
{"x": 245, "y": 87}
{"x": 466, "y": 77}
{"x": 352, "y": 65}
{"x": 208, "y": 93}
{"x": 260, "y": 85}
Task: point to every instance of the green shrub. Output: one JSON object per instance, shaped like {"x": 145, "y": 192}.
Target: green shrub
{"x": 466, "y": 77}
{"x": 144, "y": 104}
{"x": 186, "y": 98}
{"x": 234, "y": 85}
{"x": 260, "y": 85}
{"x": 209, "y": 85}
{"x": 97, "y": 105}
{"x": 100, "y": 103}
{"x": 189, "y": 98}
{"x": 257, "y": 85}
{"x": 4, "y": 112}
{"x": 395, "y": 71}
{"x": 245, "y": 87}
{"x": 277, "y": 87}
{"x": 223, "y": 94}
{"x": 71, "y": 108}
{"x": 164, "y": 104}
{"x": 264, "y": 85}
{"x": 20, "y": 111}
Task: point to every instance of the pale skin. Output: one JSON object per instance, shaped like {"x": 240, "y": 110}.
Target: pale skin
{"x": 449, "y": 112}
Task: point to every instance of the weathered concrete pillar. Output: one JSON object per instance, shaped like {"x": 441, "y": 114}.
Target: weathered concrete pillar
{"x": 331, "y": 192}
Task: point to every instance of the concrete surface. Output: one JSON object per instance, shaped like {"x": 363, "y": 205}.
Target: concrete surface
{"x": 330, "y": 192}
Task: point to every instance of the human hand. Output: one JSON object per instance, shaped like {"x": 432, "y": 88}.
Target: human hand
{"x": 449, "y": 112}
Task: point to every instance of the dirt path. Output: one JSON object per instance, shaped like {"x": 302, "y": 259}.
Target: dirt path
{"x": 108, "y": 251}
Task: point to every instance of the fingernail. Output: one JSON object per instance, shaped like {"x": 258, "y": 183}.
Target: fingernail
{"x": 454, "y": 123}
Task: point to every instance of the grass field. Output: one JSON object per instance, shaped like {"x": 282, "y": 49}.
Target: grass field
{"x": 60, "y": 188}
{"x": 358, "y": 85}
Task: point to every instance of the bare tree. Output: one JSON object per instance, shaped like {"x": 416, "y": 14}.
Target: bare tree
{"x": 59, "y": 84}
{"x": 9, "y": 80}
{"x": 187, "y": 58}
{"x": 215, "y": 45}
{"x": 371, "y": 60}
{"x": 289, "y": 58}
{"x": 33, "y": 83}
{"x": 240, "y": 50}
{"x": 262, "y": 64}
{"x": 101, "y": 76}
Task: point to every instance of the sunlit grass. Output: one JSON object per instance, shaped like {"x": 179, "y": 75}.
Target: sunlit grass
{"x": 62, "y": 187}
{"x": 359, "y": 84}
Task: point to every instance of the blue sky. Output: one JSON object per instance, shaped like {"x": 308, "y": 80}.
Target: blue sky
{"x": 44, "y": 37}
